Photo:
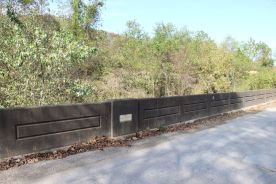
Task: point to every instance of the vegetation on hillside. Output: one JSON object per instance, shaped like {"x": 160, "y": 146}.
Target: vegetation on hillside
{"x": 47, "y": 59}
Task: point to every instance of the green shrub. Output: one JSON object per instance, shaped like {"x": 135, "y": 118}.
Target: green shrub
{"x": 262, "y": 80}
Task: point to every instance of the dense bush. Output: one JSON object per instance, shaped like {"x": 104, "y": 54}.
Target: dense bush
{"x": 262, "y": 80}
{"x": 37, "y": 66}
{"x": 46, "y": 59}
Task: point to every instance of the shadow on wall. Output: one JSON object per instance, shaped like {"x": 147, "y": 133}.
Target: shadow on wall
{"x": 158, "y": 112}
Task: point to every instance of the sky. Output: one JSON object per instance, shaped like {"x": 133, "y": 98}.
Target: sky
{"x": 241, "y": 19}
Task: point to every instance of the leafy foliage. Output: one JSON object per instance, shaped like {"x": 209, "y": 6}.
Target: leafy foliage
{"x": 46, "y": 59}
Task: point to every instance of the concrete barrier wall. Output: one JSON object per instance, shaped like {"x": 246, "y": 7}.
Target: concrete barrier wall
{"x": 27, "y": 130}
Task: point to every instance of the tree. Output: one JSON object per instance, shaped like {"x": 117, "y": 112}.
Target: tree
{"x": 164, "y": 45}
{"x": 135, "y": 31}
{"x": 85, "y": 15}
{"x": 258, "y": 52}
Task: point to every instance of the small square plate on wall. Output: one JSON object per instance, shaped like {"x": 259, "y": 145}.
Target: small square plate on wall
{"x": 125, "y": 118}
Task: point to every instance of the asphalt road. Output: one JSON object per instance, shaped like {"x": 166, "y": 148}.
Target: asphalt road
{"x": 241, "y": 151}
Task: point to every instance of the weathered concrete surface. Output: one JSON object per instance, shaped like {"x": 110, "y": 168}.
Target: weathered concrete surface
{"x": 241, "y": 151}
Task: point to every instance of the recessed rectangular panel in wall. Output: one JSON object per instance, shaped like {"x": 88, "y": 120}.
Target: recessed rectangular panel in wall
{"x": 160, "y": 112}
{"x": 254, "y": 97}
{"x": 271, "y": 94}
{"x": 219, "y": 103}
{"x": 27, "y": 130}
{"x": 55, "y": 127}
{"x": 260, "y": 98}
{"x": 157, "y": 112}
{"x": 235, "y": 101}
{"x": 194, "y": 106}
{"x": 249, "y": 98}
{"x": 161, "y": 116}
